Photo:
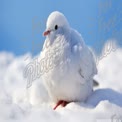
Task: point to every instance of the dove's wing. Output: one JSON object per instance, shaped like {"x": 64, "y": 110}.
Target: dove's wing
{"x": 86, "y": 65}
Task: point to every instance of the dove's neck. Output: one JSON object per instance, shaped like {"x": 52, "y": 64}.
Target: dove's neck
{"x": 58, "y": 36}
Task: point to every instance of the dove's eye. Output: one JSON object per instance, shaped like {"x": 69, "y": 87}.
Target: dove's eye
{"x": 56, "y": 27}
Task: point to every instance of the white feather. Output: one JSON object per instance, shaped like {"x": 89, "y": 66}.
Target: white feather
{"x": 71, "y": 76}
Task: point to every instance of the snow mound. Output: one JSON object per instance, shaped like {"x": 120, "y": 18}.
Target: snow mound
{"x": 33, "y": 104}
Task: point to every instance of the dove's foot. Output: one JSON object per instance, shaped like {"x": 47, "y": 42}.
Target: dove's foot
{"x": 62, "y": 103}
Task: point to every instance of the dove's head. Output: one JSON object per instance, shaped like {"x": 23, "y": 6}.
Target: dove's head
{"x": 56, "y": 23}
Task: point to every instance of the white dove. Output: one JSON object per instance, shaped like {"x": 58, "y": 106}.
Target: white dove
{"x": 69, "y": 63}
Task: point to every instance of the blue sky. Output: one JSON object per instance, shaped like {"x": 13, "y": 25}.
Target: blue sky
{"x": 22, "y": 22}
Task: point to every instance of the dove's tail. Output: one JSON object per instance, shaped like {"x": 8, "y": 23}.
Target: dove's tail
{"x": 95, "y": 83}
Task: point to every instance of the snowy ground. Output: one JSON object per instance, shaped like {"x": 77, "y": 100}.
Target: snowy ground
{"x": 33, "y": 104}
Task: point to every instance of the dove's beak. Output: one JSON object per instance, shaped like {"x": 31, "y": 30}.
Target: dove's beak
{"x": 46, "y": 33}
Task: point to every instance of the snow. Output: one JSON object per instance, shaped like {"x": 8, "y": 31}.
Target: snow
{"x": 21, "y": 104}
